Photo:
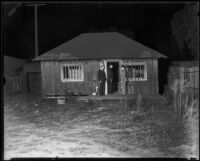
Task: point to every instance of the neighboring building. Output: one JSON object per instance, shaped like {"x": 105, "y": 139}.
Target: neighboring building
{"x": 13, "y": 71}
{"x": 21, "y": 76}
{"x": 12, "y": 63}
{"x": 73, "y": 65}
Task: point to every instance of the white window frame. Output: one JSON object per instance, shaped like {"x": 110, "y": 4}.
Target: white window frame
{"x": 145, "y": 71}
{"x": 74, "y": 73}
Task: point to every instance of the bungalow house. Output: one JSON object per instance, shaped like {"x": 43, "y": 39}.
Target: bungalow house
{"x": 73, "y": 65}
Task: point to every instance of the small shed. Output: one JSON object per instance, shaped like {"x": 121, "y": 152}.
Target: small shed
{"x": 73, "y": 65}
{"x": 32, "y": 77}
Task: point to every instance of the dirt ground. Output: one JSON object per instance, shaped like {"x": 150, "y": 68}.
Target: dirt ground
{"x": 36, "y": 127}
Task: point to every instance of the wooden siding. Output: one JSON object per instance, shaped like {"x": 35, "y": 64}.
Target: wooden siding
{"x": 52, "y": 85}
{"x": 50, "y": 78}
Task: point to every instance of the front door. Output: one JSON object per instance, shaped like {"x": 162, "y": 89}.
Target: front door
{"x": 112, "y": 74}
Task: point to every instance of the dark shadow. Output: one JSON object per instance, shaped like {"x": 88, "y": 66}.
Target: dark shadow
{"x": 163, "y": 66}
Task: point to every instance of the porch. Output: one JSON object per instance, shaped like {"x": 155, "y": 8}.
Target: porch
{"x": 118, "y": 97}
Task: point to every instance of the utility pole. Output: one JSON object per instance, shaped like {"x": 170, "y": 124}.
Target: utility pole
{"x": 36, "y": 25}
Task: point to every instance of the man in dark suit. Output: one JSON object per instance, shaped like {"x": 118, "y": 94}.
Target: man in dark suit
{"x": 101, "y": 80}
{"x": 110, "y": 79}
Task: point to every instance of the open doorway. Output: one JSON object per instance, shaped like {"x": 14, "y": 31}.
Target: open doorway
{"x": 112, "y": 73}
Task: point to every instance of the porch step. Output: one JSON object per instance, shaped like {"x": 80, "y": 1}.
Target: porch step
{"x": 156, "y": 98}
{"x": 101, "y": 98}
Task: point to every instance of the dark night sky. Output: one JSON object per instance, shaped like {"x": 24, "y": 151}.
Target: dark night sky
{"x": 58, "y": 23}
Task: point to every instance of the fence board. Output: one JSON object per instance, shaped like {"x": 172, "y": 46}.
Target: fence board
{"x": 192, "y": 76}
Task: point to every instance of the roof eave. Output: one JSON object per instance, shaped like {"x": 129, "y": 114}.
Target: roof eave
{"x": 38, "y": 60}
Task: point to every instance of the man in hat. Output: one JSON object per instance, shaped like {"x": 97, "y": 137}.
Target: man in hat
{"x": 101, "y": 76}
{"x": 110, "y": 79}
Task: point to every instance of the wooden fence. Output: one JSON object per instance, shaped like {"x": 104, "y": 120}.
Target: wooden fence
{"x": 191, "y": 76}
{"x": 184, "y": 82}
{"x": 13, "y": 85}
{"x": 183, "y": 74}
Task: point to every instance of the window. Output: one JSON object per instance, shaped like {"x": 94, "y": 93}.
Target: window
{"x": 137, "y": 71}
{"x": 72, "y": 72}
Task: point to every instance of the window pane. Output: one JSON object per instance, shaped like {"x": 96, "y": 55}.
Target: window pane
{"x": 78, "y": 71}
{"x": 70, "y": 71}
{"x": 142, "y": 71}
{"x": 64, "y": 72}
{"x": 142, "y": 68}
{"x": 73, "y": 72}
{"x": 67, "y": 72}
{"x": 81, "y": 72}
{"x": 138, "y": 71}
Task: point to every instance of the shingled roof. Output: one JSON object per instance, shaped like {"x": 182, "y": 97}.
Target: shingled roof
{"x": 108, "y": 45}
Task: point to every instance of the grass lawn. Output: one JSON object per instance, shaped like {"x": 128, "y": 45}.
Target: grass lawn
{"x": 36, "y": 127}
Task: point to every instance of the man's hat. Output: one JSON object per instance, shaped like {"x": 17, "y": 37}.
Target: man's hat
{"x": 122, "y": 67}
{"x": 110, "y": 66}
